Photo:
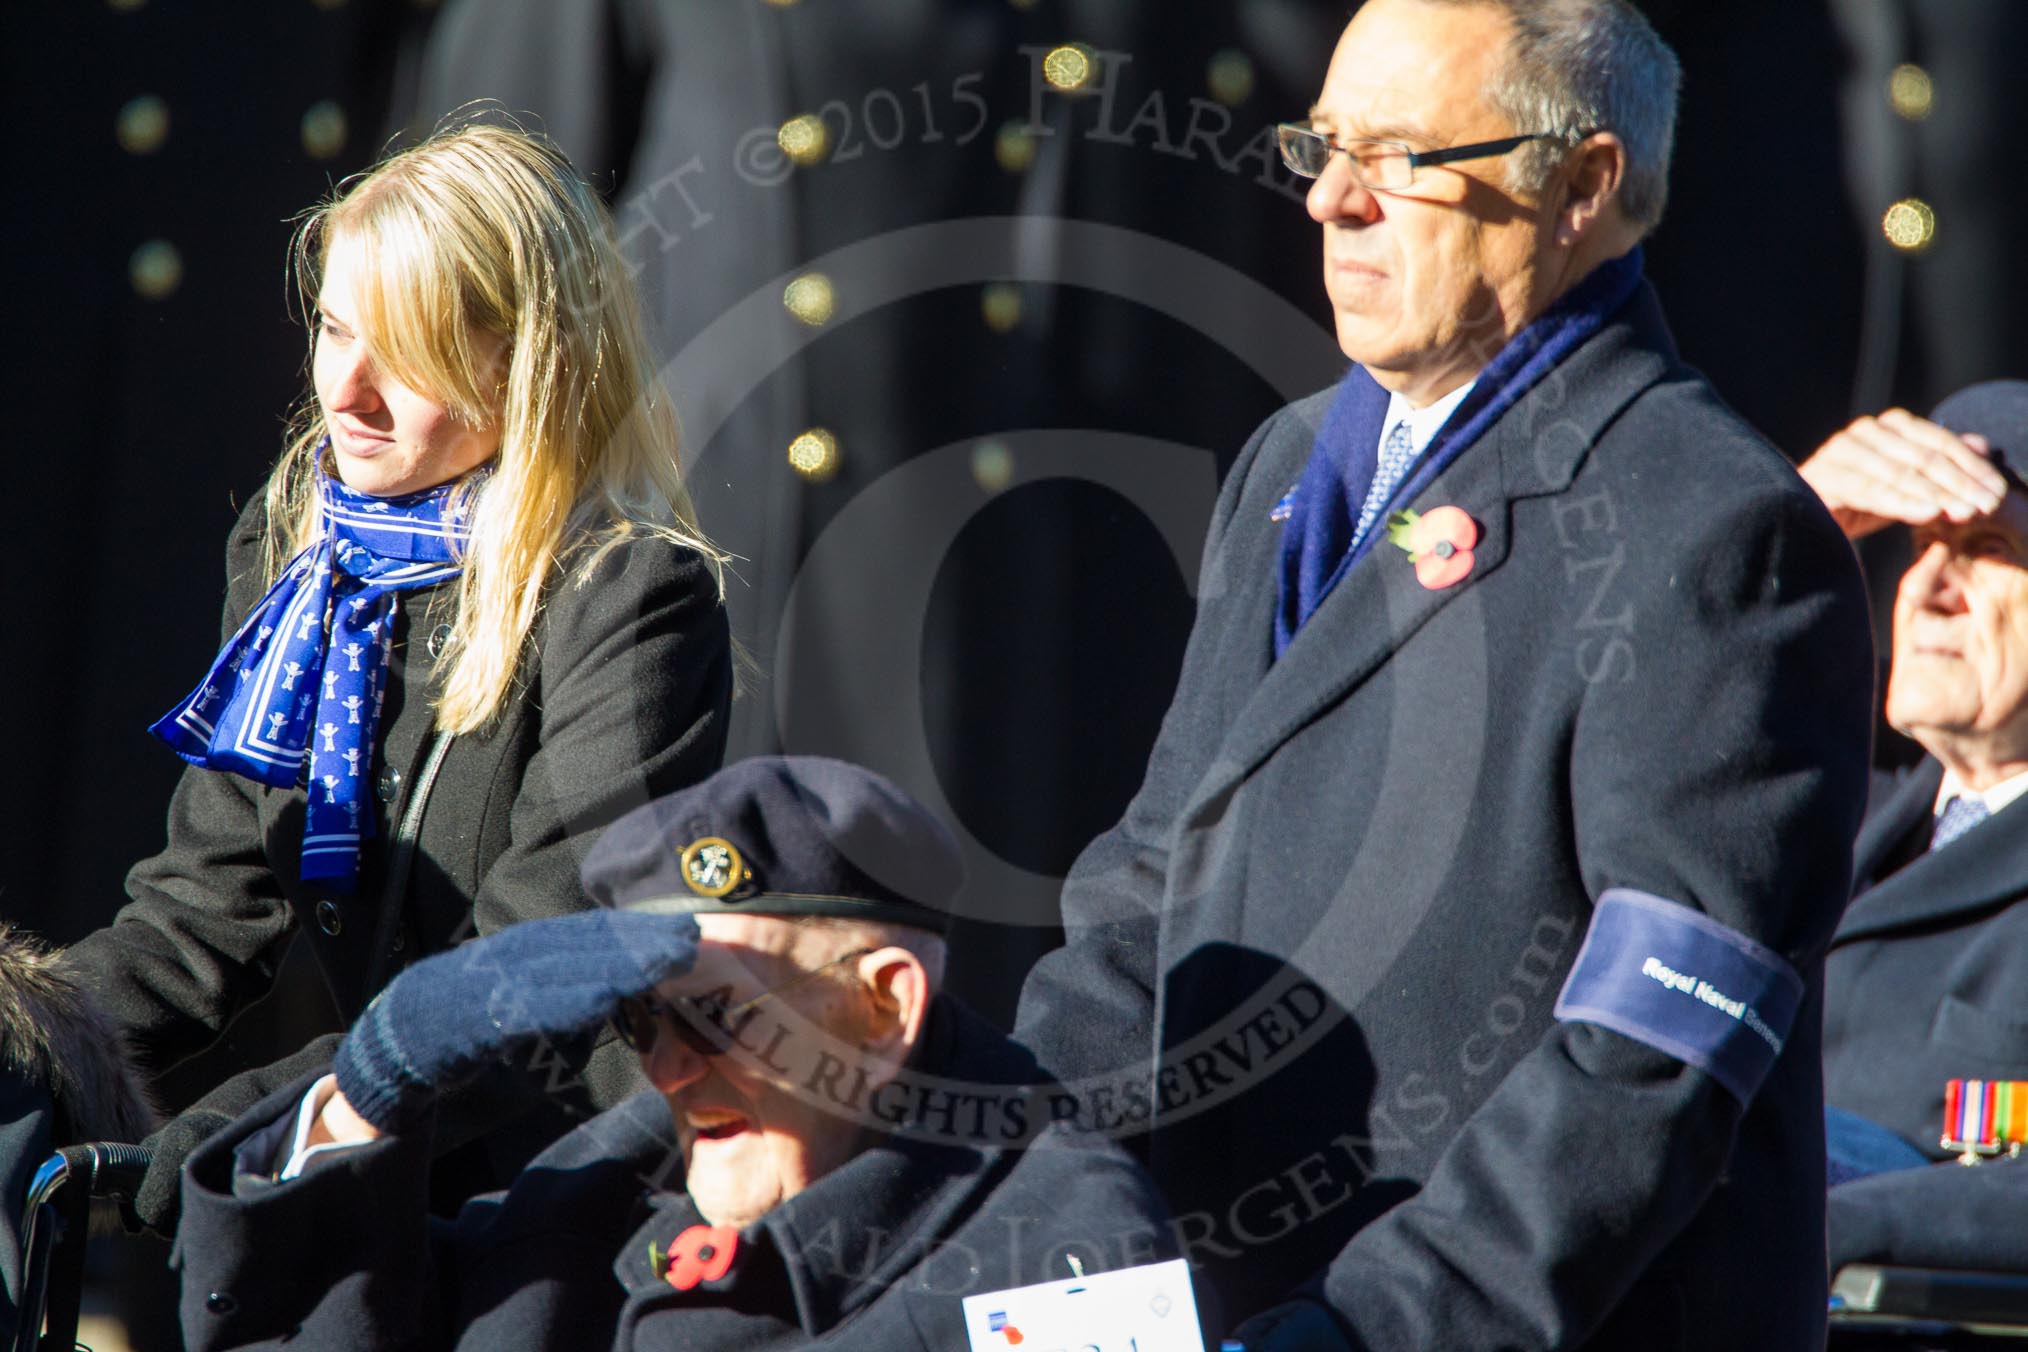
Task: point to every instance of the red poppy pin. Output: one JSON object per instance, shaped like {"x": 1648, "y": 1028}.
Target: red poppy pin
{"x": 703, "y": 1253}
{"x": 1439, "y": 542}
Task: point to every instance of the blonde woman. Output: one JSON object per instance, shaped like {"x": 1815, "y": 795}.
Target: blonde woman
{"x": 471, "y": 621}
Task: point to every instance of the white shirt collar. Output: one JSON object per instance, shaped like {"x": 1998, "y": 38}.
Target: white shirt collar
{"x": 1997, "y": 797}
{"x": 1423, "y": 423}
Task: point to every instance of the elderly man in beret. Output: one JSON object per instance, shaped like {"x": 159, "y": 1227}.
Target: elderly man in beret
{"x": 831, "y": 1153}
{"x": 1925, "y": 976}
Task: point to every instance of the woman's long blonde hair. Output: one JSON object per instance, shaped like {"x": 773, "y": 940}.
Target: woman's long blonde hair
{"x": 493, "y": 286}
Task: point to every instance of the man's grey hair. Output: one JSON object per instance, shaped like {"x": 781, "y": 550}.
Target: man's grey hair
{"x": 1581, "y": 66}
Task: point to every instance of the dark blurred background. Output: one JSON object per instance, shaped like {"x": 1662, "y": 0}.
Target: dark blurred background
{"x": 1040, "y": 298}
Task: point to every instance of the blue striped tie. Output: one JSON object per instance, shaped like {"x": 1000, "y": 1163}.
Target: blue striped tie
{"x": 1960, "y": 815}
{"x": 1396, "y": 453}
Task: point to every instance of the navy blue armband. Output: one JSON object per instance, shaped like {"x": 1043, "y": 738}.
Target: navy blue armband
{"x": 1670, "y": 976}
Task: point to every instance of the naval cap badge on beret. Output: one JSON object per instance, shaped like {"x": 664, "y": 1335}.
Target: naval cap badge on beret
{"x": 782, "y": 835}
{"x": 713, "y": 867}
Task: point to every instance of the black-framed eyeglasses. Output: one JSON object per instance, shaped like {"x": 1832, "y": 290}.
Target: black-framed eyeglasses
{"x": 1383, "y": 166}
{"x": 703, "y": 1023}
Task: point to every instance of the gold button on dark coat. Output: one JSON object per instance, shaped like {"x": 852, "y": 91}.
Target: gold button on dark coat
{"x": 1014, "y": 148}
{"x": 143, "y": 125}
{"x": 1000, "y": 306}
{"x": 805, "y": 139}
{"x": 324, "y": 129}
{"x": 156, "y": 269}
{"x": 1072, "y": 68}
{"x": 815, "y": 455}
{"x": 812, "y": 299}
{"x": 1910, "y": 225}
{"x": 1910, "y": 92}
{"x": 1230, "y": 77}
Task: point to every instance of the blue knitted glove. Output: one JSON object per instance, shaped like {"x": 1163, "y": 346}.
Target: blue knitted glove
{"x": 499, "y": 999}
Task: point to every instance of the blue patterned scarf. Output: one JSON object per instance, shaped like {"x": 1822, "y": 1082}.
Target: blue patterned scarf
{"x": 1317, "y": 545}
{"x": 294, "y": 697}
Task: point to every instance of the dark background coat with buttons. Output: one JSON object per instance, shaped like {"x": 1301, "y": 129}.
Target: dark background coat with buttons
{"x": 983, "y": 596}
{"x": 155, "y": 338}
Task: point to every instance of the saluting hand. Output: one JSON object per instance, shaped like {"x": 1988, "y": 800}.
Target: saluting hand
{"x": 493, "y": 1001}
{"x": 1900, "y": 468}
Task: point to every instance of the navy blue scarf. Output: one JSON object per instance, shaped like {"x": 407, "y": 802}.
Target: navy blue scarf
{"x": 294, "y": 697}
{"x": 1317, "y": 544}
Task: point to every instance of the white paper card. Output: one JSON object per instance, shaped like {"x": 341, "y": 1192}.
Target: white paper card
{"x": 1137, "y": 1309}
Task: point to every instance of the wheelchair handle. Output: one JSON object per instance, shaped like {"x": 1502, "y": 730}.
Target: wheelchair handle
{"x": 97, "y": 1169}
{"x": 111, "y": 1170}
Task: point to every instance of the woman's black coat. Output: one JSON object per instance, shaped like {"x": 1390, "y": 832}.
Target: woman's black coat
{"x": 622, "y": 696}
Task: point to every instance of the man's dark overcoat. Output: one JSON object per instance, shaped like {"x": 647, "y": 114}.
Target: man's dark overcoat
{"x": 1922, "y": 985}
{"x": 877, "y": 1254}
{"x": 1924, "y": 979}
{"x": 623, "y": 697}
{"x": 1349, "y": 890}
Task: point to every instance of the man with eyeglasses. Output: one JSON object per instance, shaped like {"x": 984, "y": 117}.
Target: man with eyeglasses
{"x": 1519, "y": 743}
{"x": 831, "y": 1154}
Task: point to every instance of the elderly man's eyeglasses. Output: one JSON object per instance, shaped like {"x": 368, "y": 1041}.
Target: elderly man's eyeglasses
{"x": 703, "y": 1023}
{"x": 1383, "y": 166}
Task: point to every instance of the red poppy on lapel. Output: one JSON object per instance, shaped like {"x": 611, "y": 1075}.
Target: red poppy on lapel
{"x": 703, "y": 1253}
{"x": 1439, "y": 542}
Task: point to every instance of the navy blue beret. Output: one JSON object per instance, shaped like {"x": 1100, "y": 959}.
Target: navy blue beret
{"x": 1996, "y": 410}
{"x": 782, "y": 835}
